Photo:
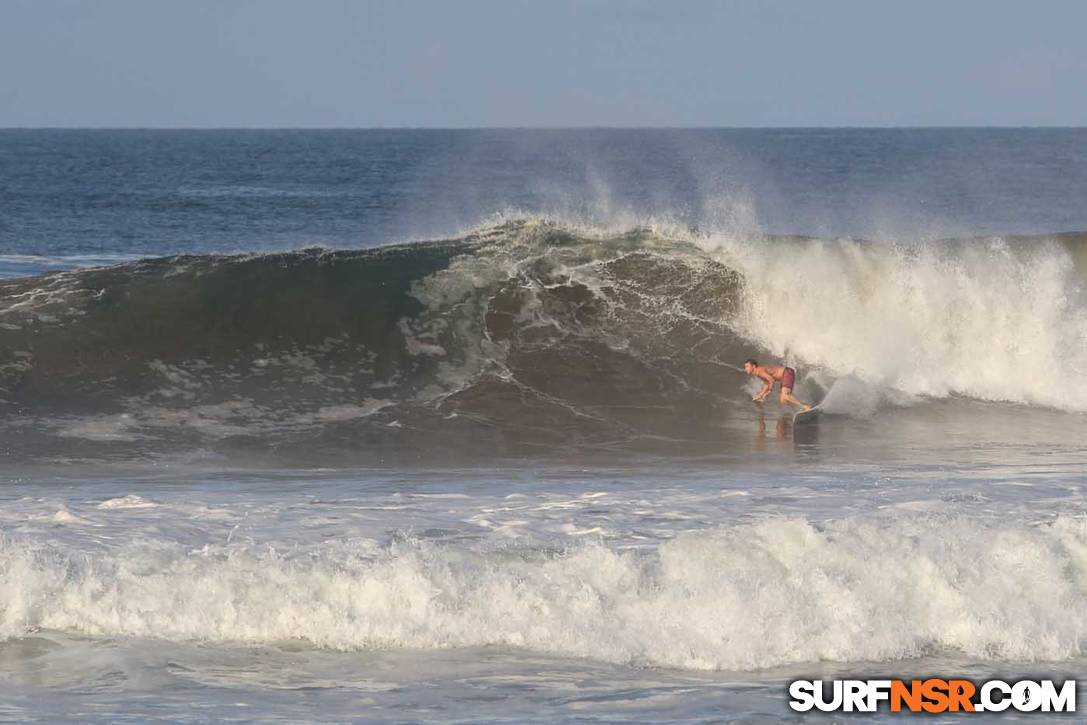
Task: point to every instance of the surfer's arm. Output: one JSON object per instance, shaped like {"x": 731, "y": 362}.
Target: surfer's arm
{"x": 767, "y": 386}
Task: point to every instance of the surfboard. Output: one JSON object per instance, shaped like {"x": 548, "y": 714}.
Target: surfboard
{"x": 807, "y": 417}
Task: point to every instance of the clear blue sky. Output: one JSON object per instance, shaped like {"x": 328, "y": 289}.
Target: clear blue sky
{"x": 453, "y": 63}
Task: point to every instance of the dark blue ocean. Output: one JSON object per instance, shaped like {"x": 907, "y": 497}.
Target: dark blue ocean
{"x": 155, "y": 192}
{"x": 433, "y": 425}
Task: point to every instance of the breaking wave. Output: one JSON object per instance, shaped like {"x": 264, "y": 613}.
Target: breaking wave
{"x": 741, "y": 597}
{"x": 530, "y": 330}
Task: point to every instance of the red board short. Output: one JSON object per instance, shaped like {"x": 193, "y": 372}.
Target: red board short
{"x": 788, "y": 379}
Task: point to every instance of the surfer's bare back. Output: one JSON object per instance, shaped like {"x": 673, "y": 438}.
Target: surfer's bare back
{"x": 770, "y": 374}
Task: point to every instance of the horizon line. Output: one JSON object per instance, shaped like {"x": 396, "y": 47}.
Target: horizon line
{"x": 542, "y": 128}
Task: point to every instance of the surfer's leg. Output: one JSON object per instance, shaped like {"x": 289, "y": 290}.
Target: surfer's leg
{"x": 787, "y": 397}
{"x": 788, "y": 380}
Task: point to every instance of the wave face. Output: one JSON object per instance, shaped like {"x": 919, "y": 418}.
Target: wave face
{"x": 529, "y": 332}
{"x": 741, "y": 597}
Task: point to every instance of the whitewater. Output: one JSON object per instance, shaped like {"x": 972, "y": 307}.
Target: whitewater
{"x": 422, "y": 442}
{"x": 742, "y": 597}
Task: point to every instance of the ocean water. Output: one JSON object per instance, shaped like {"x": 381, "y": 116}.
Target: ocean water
{"x": 448, "y": 426}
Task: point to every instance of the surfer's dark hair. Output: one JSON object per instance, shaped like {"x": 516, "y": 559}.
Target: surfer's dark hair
{"x": 751, "y": 360}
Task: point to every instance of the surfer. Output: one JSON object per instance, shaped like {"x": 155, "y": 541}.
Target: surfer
{"x": 770, "y": 374}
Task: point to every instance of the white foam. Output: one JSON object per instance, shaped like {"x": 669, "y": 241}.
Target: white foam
{"x": 783, "y": 590}
{"x": 63, "y": 516}
{"x": 984, "y": 319}
{"x": 131, "y": 501}
{"x": 102, "y": 428}
{"x": 335, "y": 413}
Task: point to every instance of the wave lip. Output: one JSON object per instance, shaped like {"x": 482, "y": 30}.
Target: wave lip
{"x": 744, "y": 597}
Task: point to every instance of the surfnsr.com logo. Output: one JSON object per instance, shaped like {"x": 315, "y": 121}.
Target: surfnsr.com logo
{"x": 932, "y": 695}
